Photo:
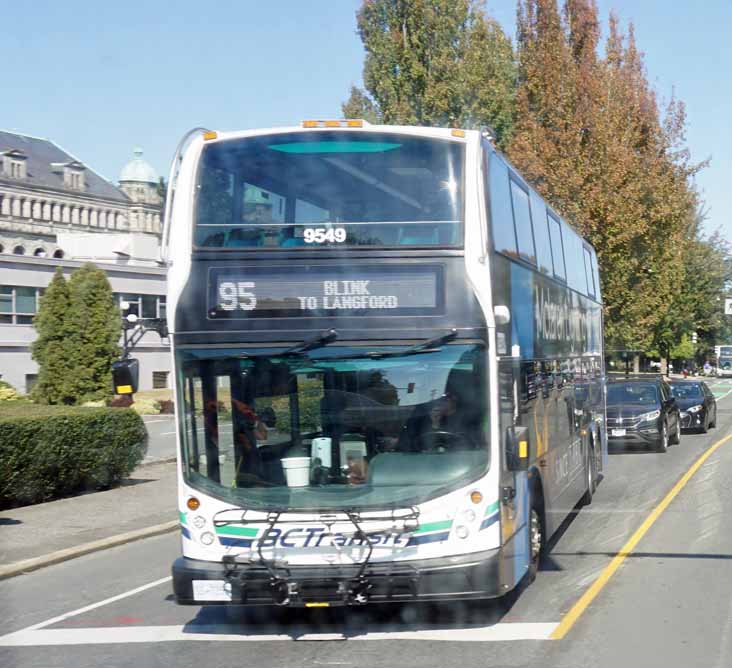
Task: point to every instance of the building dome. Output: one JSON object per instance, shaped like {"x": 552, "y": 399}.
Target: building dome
{"x": 138, "y": 170}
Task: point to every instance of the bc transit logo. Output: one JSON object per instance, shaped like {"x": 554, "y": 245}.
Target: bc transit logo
{"x": 319, "y": 536}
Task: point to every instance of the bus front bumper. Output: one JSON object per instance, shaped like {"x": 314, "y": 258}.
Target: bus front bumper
{"x": 449, "y": 578}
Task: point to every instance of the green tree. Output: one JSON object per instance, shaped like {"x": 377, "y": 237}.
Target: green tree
{"x": 434, "y": 62}
{"x": 95, "y": 328}
{"x": 590, "y": 136}
{"x": 683, "y": 350}
{"x": 52, "y": 347}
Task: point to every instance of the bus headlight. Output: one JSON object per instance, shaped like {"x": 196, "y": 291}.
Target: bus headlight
{"x": 462, "y": 532}
{"x": 207, "y": 538}
{"x": 199, "y": 522}
{"x": 469, "y": 515}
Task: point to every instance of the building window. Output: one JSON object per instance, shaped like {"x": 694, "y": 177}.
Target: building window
{"x": 18, "y": 304}
{"x": 19, "y": 250}
{"x": 58, "y": 254}
{"x": 160, "y": 380}
{"x": 17, "y": 169}
{"x": 143, "y": 306}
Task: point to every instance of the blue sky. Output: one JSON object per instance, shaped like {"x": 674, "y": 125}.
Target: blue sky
{"x": 100, "y": 78}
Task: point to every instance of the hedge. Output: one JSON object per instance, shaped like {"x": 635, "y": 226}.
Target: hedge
{"x": 48, "y": 452}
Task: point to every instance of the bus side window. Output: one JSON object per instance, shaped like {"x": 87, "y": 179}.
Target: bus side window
{"x": 522, "y": 221}
{"x": 504, "y": 237}
{"x": 575, "y": 263}
{"x": 589, "y": 277}
{"x": 555, "y": 233}
{"x": 541, "y": 233}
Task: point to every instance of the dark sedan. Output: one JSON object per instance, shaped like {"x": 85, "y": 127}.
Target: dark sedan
{"x": 697, "y": 404}
{"x": 642, "y": 411}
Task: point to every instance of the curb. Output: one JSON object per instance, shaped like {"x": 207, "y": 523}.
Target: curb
{"x": 150, "y": 462}
{"x": 28, "y": 565}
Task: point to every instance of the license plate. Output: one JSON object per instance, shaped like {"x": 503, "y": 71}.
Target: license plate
{"x": 618, "y": 432}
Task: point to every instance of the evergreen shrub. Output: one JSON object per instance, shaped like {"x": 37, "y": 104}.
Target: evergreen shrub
{"x": 47, "y": 452}
{"x": 144, "y": 406}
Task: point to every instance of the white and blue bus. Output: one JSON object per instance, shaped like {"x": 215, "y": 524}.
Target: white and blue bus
{"x": 724, "y": 361}
{"x": 388, "y": 366}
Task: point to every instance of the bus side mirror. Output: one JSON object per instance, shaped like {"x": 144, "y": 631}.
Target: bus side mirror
{"x": 517, "y": 448}
{"x": 125, "y": 376}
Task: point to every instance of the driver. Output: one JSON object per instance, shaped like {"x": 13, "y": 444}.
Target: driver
{"x": 433, "y": 430}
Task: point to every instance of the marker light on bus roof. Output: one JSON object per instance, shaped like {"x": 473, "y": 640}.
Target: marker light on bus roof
{"x": 207, "y": 136}
{"x": 344, "y": 123}
{"x": 457, "y": 133}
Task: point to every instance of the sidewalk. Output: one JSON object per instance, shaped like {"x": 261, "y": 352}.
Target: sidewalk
{"x": 46, "y": 533}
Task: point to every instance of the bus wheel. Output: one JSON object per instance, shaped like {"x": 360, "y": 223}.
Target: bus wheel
{"x": 590, "y": 475}
{"x": 536, "y": 538}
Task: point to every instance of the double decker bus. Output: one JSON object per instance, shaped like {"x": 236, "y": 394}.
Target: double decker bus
{"x": 388, "y": 366}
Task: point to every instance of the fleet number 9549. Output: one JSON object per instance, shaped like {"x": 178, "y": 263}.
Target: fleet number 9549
{"x": 321, "y": 235}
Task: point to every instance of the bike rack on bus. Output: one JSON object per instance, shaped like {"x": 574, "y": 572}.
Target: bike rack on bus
{"x": 354, "y": 590}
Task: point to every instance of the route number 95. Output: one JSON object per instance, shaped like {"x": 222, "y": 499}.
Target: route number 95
{"x": 233, "y": 296}
{"x": 319, "y": 235}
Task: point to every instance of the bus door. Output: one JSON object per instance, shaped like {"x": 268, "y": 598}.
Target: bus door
{"x": 517, "y": 390}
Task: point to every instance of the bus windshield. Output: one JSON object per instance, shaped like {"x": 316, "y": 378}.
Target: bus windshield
{"x": 332, "y": 189}
{"x": 336, "y": 428}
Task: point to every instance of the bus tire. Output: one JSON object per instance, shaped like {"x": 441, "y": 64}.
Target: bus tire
{"x": 536, "y": 534}
{"x": 590, "y": 474}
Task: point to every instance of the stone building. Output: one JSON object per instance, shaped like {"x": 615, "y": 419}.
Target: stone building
{"x": 44, "y": 191}
{"x": 57, "y": 212}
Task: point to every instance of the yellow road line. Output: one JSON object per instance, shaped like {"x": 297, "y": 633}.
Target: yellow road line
{"x": 569, "y": 620}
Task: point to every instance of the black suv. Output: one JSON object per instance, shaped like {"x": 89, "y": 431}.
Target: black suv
{"x": 642, "y": 410}
{"x": 697, "y": 404}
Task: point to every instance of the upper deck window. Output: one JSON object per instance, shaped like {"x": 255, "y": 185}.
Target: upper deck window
{"x": 522, "y": 220}
{"x": 555, "y": 234}
{"x": 589, "y": 275}
{"x": 330, "y": 189}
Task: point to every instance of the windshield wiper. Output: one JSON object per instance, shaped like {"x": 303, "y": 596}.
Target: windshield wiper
{"x": 322, "y": 339}
{"x": 429, "y": 346}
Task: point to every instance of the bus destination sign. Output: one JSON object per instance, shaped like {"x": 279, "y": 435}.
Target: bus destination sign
{"x": 316, "y": 290}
